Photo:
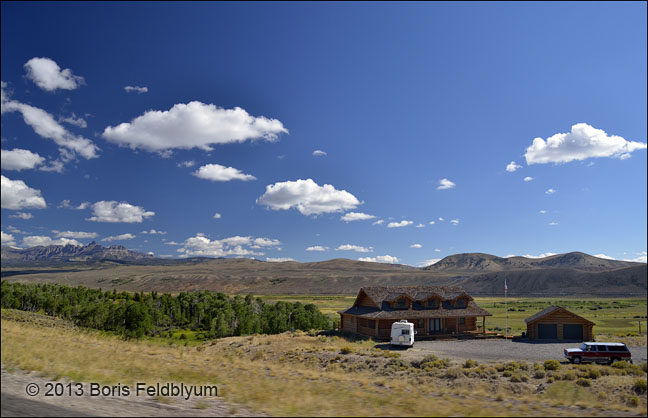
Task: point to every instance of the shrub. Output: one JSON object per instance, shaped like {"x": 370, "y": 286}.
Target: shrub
{"x": 346, "y": 350}
{"x": 570, "y": 375}
{"x": 552, "y": 365}
{"x": 644, "y": 367}
{"x": 550, "y": 380}
{"x": 584, "y": 382}
{"x": 594, "y": 374}
{"x": 452, "y": 373}
{"x": 507, "y": 373}
{"x": 621, "y": 364}
{"x": 633, "y": 401}
{"x": 469, "y": 364}
{"x": 516, "y": 378}
{"x": 639, "y": 386}
{"x": 539, "y": 374}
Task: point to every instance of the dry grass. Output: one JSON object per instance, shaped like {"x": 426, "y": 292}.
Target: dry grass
{"x": 295, "y": 374}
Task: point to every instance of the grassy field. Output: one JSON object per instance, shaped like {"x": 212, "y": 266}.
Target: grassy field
{"x": 298, "y": 374}
{"x": 613, "y": 317}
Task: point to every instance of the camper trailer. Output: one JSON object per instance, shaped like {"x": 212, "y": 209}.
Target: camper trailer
{"x": 402, "y": 333}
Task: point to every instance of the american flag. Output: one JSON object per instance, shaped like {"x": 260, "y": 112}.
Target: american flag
{"x": 505, "y": 286}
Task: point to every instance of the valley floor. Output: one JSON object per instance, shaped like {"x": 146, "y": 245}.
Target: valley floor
{"x": 300, "y": 374}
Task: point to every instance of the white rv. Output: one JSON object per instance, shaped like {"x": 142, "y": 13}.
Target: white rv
{"x": 402, "y": 333}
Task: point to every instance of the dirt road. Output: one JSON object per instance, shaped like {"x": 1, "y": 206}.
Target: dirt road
{"x": 16, "y": 402}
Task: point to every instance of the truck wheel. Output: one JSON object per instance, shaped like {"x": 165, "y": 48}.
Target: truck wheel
{"x": 577, "y": 360}
{"x": 613, "y": 359}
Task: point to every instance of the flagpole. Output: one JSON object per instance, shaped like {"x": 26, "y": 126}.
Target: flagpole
{"x": 505, "y": 309}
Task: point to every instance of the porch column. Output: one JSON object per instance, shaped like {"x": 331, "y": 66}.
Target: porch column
{"x": 484, "y": 325}
{"x": 457, "y": 326}
{"x": 377, "y": 327}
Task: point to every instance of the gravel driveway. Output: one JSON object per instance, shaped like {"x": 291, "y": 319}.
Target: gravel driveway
{"x": 497, "y": 349}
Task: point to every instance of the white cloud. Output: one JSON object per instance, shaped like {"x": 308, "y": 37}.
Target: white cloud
{"x": 606, "y": 257}
{"x": 542, "y": 211}
{"x": 121, "y": 237}
{"x": 136, "y": 89}
{"x": 437, "y": 250}
{"x": 36, "y": 240}
{"x": 543, "y": 255}
{"x": 445, "y": 184}
{"x": 429, "y": 262}
{"x": 528, "y": 178}
{"x": 154, "y": 232}
{"x": 431, "y": 222}
{"x": 217, "y": 172}
{"x": 15, "y": 195}
{"x": 46, "y": 126}
{"x": 380, "y": 259}
{"x": 75, "y": 234}
{"x": 7, "y": 239}
{"x": 640, "y": 259}
{"x": 400, "y": 224}
{"x": 279, "y": 259}
{"x": 319, "y": 153}
{"x": 416, "y": 246}
{"x": 112, "y": 211}
{"x": 317, "y": 248}
{"x": 356, "y": 248}
{"x": 14, "y": 229}
{"x": 74, "y": 120}
{"x": 553, "y": 223}
{"x": 22, "y": 215}
{"x": 584, "y": 141}
{"x": 379, "y": 222}
{"x": 550, "y": 191}
{"x": 420, "y": 226}
{"x": 307, "y": 197}
{"x": 356, "y": 216}
{"x": 217, "y": 216}
{"x": 441, "y": 219}
{"x": 192, "y": 125}
{"x": 66, "y": 205}
{"x": 455, "y": 222}
{"x": 187, "y": 164}
{"x": 47, "y": 75}
{"x": 201, "y": 246}
{"x": 20, "y": 159}
{"x": 511, "y": 167}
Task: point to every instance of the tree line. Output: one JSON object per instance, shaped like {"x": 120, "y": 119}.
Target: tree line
{"x": 135, "y": 315}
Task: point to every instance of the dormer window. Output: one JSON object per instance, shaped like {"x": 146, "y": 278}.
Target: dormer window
{"x": 401, "y": 304}
{"x": 432, "y": 304}
{"x": 460, "y": 303}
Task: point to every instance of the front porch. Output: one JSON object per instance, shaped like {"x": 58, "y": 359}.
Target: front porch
{"x": 426, "y": 328}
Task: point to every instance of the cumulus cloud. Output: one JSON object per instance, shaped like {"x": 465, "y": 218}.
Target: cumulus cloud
{"x": 379, "y": 222}
{"x": 201, "y": 246}
{"x": 437, "y": 250}
{"x": 641, "y": 258}
{"x": 445, "y": 184}
{"x": 356, "y": 216}
{"x": 380, "y": 259}
{"x": 121, "y": 237}
{"x": 528, "y": 178}
{"x": 429, "y": 262}
{"x": 400, "y": 224}
{"x": 192, "y": 125}
{"x": 511, "y": 167}
{"x": 217, "y": 172}
{"x": 550, "y": 191}
{"x": 454, "y": 222}
{"x": 279, "y": 259}
{"x": 39, "y": 240}
{"x": 317, "y": 248}
{"x": 65, "y": 204}
{"x": 441, "y": 219}
{"x": 75, "y": 234}
{"x": 553, "y": 223}
{"x": 154, "y": 232}
{"x": 8, "y": 239}
{"x": 606, "y": 257}
{"x": 112, "y": 211}
{"x": 217, "y": 216}
{"x": 307, "y": 197}
{"x": 542, "y": 211}
{"x": 187, "y": 164}
{"x": 584, "y": 141}
{"x": 431, "y": 222}
{"x": 47, "y": 75}
{"x": 319, "y": 153}
{"x": 15, "y": 195}
{"x": 416, "y": 246}
{"x": 74, "y": 120}
{"x": 22, "y": 215}
{"x": 46, "y": 126}
{"x": 543, "y": 255}
{"x": 136, "y": 89}
{"x": 20, "y": 159}
{"x": 356, "y": 248}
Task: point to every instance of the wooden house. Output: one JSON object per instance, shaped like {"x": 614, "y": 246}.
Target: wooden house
{"x": 436, "y": 311}
{"x": 556, "y": 323}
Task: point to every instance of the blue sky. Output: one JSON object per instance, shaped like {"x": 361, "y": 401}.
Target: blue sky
{"x": 400, "y": 100}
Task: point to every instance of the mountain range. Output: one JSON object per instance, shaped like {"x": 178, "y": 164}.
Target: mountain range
{"x": 568, "y": 274}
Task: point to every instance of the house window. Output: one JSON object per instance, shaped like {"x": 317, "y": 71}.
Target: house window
{"x": 462, "y": 320}
{"x": 432, "y": 304}
{"x": 461, "y": 303}
{"x": 401, "y": 304}
{"x": 421, "y": 323}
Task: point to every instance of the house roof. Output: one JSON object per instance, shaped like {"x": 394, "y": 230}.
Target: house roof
{"x": 378, "y": 294}
{"x": 551, "y": 310}
{"x": 374, "y": 313}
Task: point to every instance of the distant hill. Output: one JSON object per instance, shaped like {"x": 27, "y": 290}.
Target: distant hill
{"x": 115, "y": 267}
{"x": 480, "y": 263}
{"x": 69, "y": 253}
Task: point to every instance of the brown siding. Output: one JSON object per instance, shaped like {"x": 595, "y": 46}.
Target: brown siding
{"x": 349, "y": 323}
{"x": 560, "y": 318}
{"x": 363, "y": 300}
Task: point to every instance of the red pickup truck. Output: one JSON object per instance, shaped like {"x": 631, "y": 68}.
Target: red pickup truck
{"x": 598, "y": 353}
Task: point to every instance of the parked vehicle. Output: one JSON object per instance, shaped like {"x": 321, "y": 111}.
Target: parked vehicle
{"x": 592, "y": 352}
{"x": 402, "y": 333}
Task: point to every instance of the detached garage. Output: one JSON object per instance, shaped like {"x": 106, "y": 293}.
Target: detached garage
{"x": 556, "y": 323}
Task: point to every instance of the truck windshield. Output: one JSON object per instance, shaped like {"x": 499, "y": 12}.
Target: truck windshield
{"x": 583, "y": 347}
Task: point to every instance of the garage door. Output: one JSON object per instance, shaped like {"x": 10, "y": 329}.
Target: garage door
{"x": 573, "y": 332}
{"x": 547, "y": 331}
